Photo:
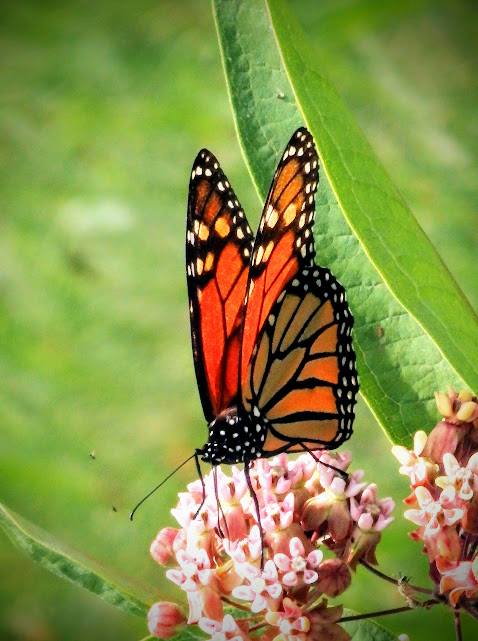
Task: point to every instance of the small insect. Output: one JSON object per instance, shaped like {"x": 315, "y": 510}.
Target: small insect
{"x": 92, "y": 455}
{"x": 379, "y": 331}
{"x": 271, "y": 330}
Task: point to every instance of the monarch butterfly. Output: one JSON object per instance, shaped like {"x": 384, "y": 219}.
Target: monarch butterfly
{"x": 271, "y": 331}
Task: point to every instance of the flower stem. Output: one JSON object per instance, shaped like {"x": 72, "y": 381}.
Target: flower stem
{"x": 471, "y": 609}
{"x": 457, "y": 619}
{"x": 233, "y": 604}
{"x": 385, "y": 577}
{"x": 256, "y": 627}
{"x": 378, "y": 613}
{"x": 382, "y": 613}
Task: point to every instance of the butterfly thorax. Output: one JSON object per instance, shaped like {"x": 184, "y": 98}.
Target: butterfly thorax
{"x": 233, "y": 438}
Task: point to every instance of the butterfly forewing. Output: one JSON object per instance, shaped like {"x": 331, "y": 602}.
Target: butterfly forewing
{"x": 302, "y": 378}
{"x": 284, "y": 242}
{"x": 218, "y": 251}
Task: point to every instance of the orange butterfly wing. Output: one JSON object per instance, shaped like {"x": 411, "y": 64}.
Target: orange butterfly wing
{"x": 302, "y": 380}
{"x": 298, "y": 375}
{"x": 218, "y": 250}
{"x": 284, "y": 242}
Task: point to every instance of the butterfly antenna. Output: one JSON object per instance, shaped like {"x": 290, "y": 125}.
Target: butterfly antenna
{"x": 145, "y": 498}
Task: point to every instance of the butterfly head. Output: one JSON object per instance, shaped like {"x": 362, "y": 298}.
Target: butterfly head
{"x": 231, "y": 439}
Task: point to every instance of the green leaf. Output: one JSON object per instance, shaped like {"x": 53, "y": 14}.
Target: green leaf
{"x": 366, "y": 629}
{"x": 74, "y": 567}
{"x": 414, "y": 330}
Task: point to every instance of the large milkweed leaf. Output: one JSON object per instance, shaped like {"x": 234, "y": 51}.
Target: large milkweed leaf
{"x": 73, "y": 566}
{"x": 415, "y": 332}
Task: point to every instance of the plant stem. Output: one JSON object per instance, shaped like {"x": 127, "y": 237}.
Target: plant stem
{"x": 378, "y": 613}
{"x": 239, "y": 606}
{"x": 257, "y": 627}
{"x": 472, "y": 610}
{"x": 457, "y": 618}
{"x": 382, "y": 613}
{"x": 390, "y": 579}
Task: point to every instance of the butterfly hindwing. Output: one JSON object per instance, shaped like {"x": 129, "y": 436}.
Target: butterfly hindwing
{"x": 284, "y": 242}
{"x": 218, "y": 251}
{"x": 302, "y": 381}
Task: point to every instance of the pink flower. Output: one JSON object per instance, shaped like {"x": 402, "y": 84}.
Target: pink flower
{"x": 292, "y": 623}
{"x": 331, "y": 506}
{"x": 445, "y": 507}
{"x": 418, "y": 468}
{"x": 371, "y": 515}
{"x": 247, "y": 549}
{"x": 297, "y": 568}
{"x": 464, "y": 480}
{"x": 434, "y": 514}
{"x": 194, "y": 571}
{"x": 225, "y": 630}
{"x": 186, "y": 509}
{"x": 277, "y": 514}
{"x": 379, "y": 510}
{"x": 230, "y": 492}
{"x": 458, "y": 579}
{"x": 196, "y": 578}
{"x": 325, "y": 470}
{"x": 261, "y": 587}
{"x": 219, "y": 550}
{"x": 164, "y": 618}
{"x": 162, "y": 547}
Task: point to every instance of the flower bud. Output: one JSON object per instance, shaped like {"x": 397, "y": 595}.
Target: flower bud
{"x": 444, "y": 404}
{"x": 328, "y": 507}
{"x": 162, "y": 547}
{"x": 444, "y": 438}
{"x": 466, "y": 411}
{"x": 334, "y": 577}
{"x": 164, "y": 618}
{"x": 316, "y": 511}
{"x": 324, "y": 623}
{"x": 362, "y": 543}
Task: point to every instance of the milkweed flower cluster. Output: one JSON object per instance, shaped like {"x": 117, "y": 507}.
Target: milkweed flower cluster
{"x": 317, "y": 524}
{"x": 443, "y": 472}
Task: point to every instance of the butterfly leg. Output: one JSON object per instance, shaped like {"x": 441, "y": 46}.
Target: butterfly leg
{"x": 220, "y": 511}
{"x": 340, "y": 472}
{"x": 247, "y": 467}
{"x": 197, "y": 453}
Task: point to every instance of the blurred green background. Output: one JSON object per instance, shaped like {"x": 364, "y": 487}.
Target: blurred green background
{"x": 103, "y": 108}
